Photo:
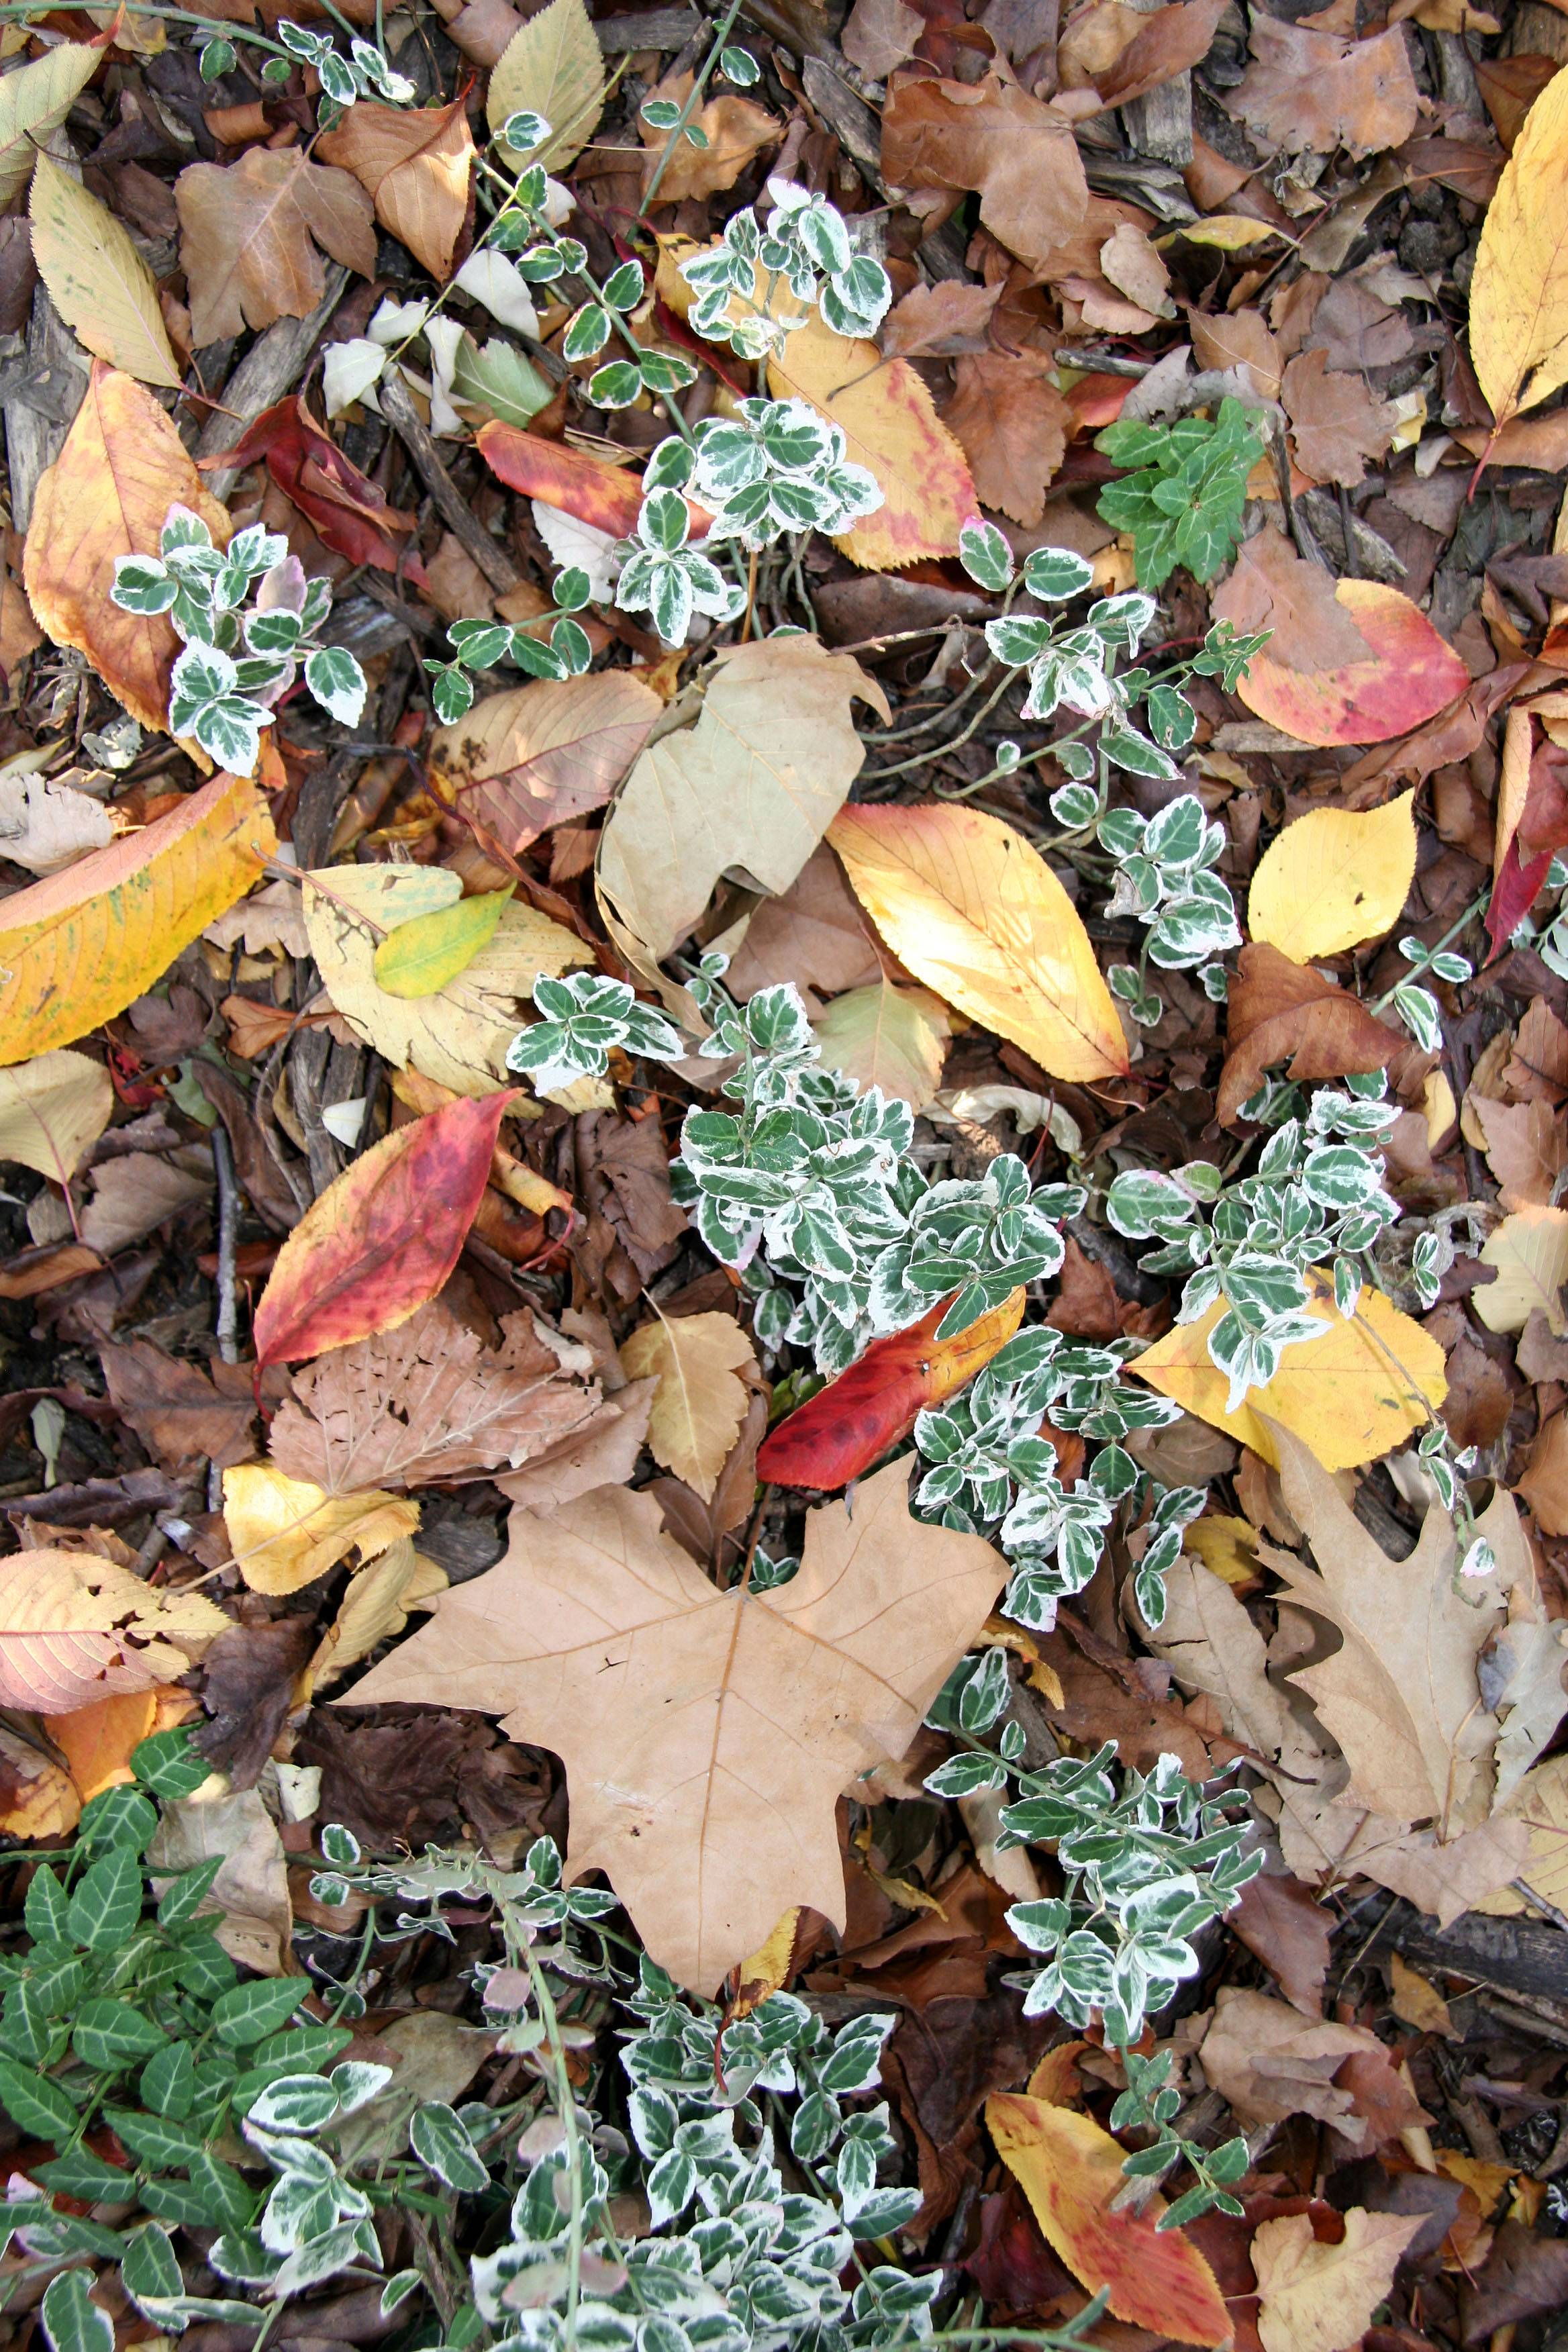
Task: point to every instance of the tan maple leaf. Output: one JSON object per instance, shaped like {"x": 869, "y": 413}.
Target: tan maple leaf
{"x": 1338, "y": 425}
{"x": 248, "y": 237}
{"x": 428, "y": 1400}
{"x": 706, "y": 1735}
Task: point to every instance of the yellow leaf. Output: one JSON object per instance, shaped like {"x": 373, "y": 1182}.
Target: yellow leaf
{"x": 98, "y": 282}
{"x": 33, "y": 101}
{"x": 286, "y": 1532}
{"x": 554, "y": 66}
{"x": 699, "y": 1404}
{"x": 890, "y": 421}
{"x": 1416, "y": 2001}
{"x": 75, "y": 948}
{"x": 1360, "y": 1389}
{"x": 1529, "y": 1250}
{"x": 417, "y": 958}
{"x": 96, "y": 1741}
{"x": 965, "y": 903}
{"x": 1231, "y": 232}
{"x": 1518, "y": 296}
{"x": 375, "y": 1608}
{"x": 1227, "y": 1546}
{"x": 38, "y": 1796}
{"x": 51, "y": 1110}
{"x": 884, "y": 1036}
{"x": 1333, "y": 879}
{"x": 457, "y": 1036}
{"x": 1540, "y": 1802}
{"x": 768, "y": 1967}
{"x": 122, "y": 467}
{"x": 1319, "y": 2297}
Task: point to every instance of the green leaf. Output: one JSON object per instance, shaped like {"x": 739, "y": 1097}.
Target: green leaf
{"x": 439, "y": 2139}
{"x": 419, "y": 956}
{"x": 249, "y": 2013}
{"x": 168, "y": 2083}
{"x": 118, "y": 1817}
{"x": 497, "y": 378}
{"x": 106, "y": 1908}
{"x": 44, "y": 1912}
{"x": 182, "y": 1897}
{"x": 35, "y": 2104}
{"x": 149, "y": 2265}
{"x": 82, "y": 2174}
{"x": 72, "y": 2321}
{"x": 156, "y": 2140}
{"x": 231, "y": 2201}
{"x": 110, "y": 2034}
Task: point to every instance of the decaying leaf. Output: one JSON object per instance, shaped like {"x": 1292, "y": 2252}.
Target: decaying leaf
{"x": 1311, "y": 90}
{"x": 51, "y": 1110}
{"x": 700, "y": 1402}
{"x": 978, "y": 915}
{"x": 286, "y": 1532}
{"x": 994, "y": 137}
{"x": 1279, "y": 1012}
{"x": 1333, "y": 879}
{"x": 46, "y": 826}
{"x": 1320, "y": 2299}
{"x": 1529, "y": 1250}
{"x": 249, "y": 234}
{"x": 518, "y": 763}
{"x": 375, "y": 1609}
{"x": 182, "y": 1414}
{"x": 75, "y": 1629}
{"x": 1013, "y": 424}
{"x": 554, "y": 66}
{"x": 596, "y": 1616}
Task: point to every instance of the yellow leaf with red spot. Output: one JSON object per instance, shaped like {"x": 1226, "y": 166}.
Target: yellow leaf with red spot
{"x": 1407, "y": 676}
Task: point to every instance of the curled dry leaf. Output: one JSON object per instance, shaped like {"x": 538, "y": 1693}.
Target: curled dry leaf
{"x": 51, "y": 1110}
{"x": 384, "y": 1236}
{"x": 1070, "y": 2171}
{"x": 248, "y": 236}
{"x": 414, "y": 165}
{"x": 752, "y": 786}
{"x": 596, "y": 1618}
{"x": 348, "y": 511}
{"x": 428, "y": 1401}
{"x": 122, "y": 467}
{"x": 98, "y": 282}
{"x": 1338, "y": 425}
{"x": 1333, "y": 879}
{"x": 1369, "y": 1383}
{"x": 285, "y": 1532}
{"x": 76, "y": 950}
{"x": 46, "y": 826}
{"x": 75, "y": 1629}
{"x": 972, "y": 910}
{"x": 699, "y": 1402}
{"x": 518, "y": 763}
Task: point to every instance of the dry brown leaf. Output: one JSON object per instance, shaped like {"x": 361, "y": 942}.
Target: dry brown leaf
{"x": 1544, "y": 1485}
{"x": 1273, "y": 588}
{"x": 249, "y": 1903}
{"x": 1285, "y": 1926}
{"x": 1269, "y": 2063}
{"x": 992, "y": 136}
{"x": 518, "y": 763}
{"x": 600, "y": 1452}
{"x": 937, "y": 321}
{"x": 583, "y": 1634}
{"x": 1129, "y": 263}
{"x": 1537, "y": 1069}
{"x": 734, "y": 129}
{"x": 1281, "y": 1011}
{"x": 879, "y": 35}
{"x": 248, "y": 237}
{"x": 1239, "y": 338}
{"x": 1013, "y": 424}
{"x": 814, "y": 936}
{"x": 122, "y": 467}
{"x": 182, "y": 1414}
{"x": 1317, "y": 2297}
{"x": 1312, "y": 91}
{"x": 1529, "y": 1250}
{"x": 1167, "y": 41}
{"x": 700, "y": 1402}
{"x": 426, "y": 1401}
{"x": 38, "y": 1798}
{"x": 1338, "y": 425}
{"x": 46, "y": 826}
{"x": 1526, "y": 1147}
{"x": 286, "y": 1532}
{"x": 415, "y": 167}
{"x": 75, "y": 1629}
{"x": 133, "y": 1195}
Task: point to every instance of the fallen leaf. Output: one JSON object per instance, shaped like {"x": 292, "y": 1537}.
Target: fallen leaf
{"x": 699, "y": 1403}
{"x": 592, "y": 490}
{"x": 285, "y": 1532}
{"x": 518, "y": 763}
{"x": 426, "y": 1401}
{"x": 421, "y": 956}
{"x": 1310, "y": 90}
{"x": 1269, "y": 2063}
{"x": 1540, "y": 1802}
{"x": 75, "y": 1629}
{"x": 895, "y": 1038}
{"x": 122, "y": 467}
{"x": 384, "y": 1236}
{"x": 891, "y": 426}
{"x": 51, "y": 1110}
{"x": 1518, "y": 296}
{"x": 1416, "y": 2001}
{"x": 1544, "y": 1485}
{"x": 459, "y": 1035}
{"x": 1129, "y": 263}
{"x": 1281, "y": 1011}
{"x": 1408, "y": 674}
{"x": 75, "y": 950}
{"x": 1529, "y": 1250}
{"x": 1167, "y": 43}
{"x": 1271, "y": 587}
{"x": 183, "y": 1414}
{"x": 1360, "y": 1389}
{"x": 1070, "y": 2171}
{"x": 1333, "y": 879}
{"x": 248, "y": 236}
{"x": 977, "y": 914}
{"x": 38, "y": 1798}
{"x": 1285, "y": 1926}
{"x": 96, "y": 1741}
{"x": 734, "y": 129}
{"x": 1337, "y": 424}
{"x": 1322, "y": 2298}
{"x": 1526, "y": 1149}
{"x": 1013, "y": 424}
{"x": 96, "y": 280}
{"x": 248, "y": 1901}
{"x": 134, "y": 1194}
{"x": 1018, "y": 153}
{"x": 596, "y": 1618}
{"x": 46, "y": 826}
{"x": 34, "y": 102}
{"x": 374, "y": 1609}
{"x": 814, "y": 936}
{"x": 348, "y": 511}
{"x": 939, "y": 320}
{"x": 846, "y": 1427}
{"x": 552, "y": 66}
{"x": 414, "y": 165}
{"x": 600, "y": 1452}
{"x": 752, "y": 786}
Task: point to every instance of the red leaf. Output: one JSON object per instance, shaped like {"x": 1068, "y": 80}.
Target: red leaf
{"x": 384, "y": 1238}
{"x": 854, "y": 1419}
{"x": 348, "y": 513}
{"x": 607, "y": 495}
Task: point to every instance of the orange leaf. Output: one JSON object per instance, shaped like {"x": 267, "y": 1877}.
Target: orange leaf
{"x": 607, "y": 495}
{"x": 1409, "y": 675}
{"x": 122, "y": 467}
{"x": 415, "y": 167}
{"x": 96, "y": 1741}
{"x": 1070, "y": 2170}
{"x": 384, "y": 1238}
{"x": 76, "y": 948}
{"x": 838, "y": 1433}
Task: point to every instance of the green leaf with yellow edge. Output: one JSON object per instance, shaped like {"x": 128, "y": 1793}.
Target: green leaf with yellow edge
{"x": 1367, "y": 1385}
{"x": 79, "y": 946}
{"x": 421, "y": 956}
